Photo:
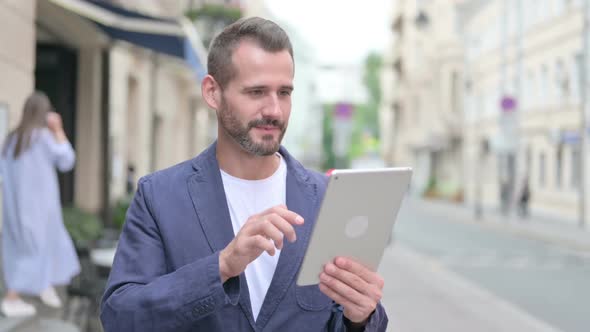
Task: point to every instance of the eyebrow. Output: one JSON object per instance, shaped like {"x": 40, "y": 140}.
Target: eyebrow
{"x": 264, "y": 87}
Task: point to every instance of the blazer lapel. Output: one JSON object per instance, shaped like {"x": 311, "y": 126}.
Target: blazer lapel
{"x": 206, "y": 191}
{"x": 302, "y": 199}
{"x": 208, "y": 197}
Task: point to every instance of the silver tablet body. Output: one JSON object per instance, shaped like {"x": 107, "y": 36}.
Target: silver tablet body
{"x": 356, "y": 218}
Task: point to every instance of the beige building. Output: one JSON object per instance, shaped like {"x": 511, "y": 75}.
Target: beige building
{"x": 119, "y": 78}
{"x": 422, "y": 112}
{"x": 530, "y": 53}
{"x": 486, "y": 93}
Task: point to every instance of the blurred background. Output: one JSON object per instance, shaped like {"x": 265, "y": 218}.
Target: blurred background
{"x": 487, "y": 100}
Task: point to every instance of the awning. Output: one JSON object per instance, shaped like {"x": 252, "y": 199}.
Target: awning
{"x": 177, "y": 38}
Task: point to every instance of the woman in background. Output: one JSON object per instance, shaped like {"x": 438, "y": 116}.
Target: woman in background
{"x": 37, "y": 251}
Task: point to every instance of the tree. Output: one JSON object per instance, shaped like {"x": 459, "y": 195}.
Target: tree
{"x": 366, "y": 116}
{"x": 329, "y": 160}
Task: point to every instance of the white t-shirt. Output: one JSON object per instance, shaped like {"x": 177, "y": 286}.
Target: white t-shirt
{"x": 244, "y": 199}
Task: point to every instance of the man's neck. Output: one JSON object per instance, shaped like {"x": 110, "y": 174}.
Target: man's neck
{"x": 236, "y": 162}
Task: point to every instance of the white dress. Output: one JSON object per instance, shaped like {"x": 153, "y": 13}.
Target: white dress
{"x": 37, "y": 251}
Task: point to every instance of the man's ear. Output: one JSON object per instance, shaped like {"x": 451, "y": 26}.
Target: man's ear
{"x": 211, "y": 92}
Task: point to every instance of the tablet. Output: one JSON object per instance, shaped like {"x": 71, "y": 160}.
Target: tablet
{"x": 356, "y": 218}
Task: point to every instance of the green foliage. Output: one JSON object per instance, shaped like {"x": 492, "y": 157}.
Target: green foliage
{"x": 366, "y": 117}
{"x": 373, "y": 65}
{"x": 432, "y": 183}
{"x": 84, "y": 227}
{"x": 120, "y": 211}
{"x": 216, "y": 12}
{"x": 431, "y": 190}
{"x": 359, "y": 127}
{"x": 329, "y": 160}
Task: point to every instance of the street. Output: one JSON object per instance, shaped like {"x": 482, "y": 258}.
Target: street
{"x": 468, "y": 277}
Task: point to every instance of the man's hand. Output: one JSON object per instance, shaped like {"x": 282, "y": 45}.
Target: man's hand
{"x": 261, "y": 232}
{"x": 353, "y": 286}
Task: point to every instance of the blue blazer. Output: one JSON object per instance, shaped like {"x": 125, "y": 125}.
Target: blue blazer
{"x": 165, "y": 276}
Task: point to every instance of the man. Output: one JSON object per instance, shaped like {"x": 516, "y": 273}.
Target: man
{"x": 203, "y": 245}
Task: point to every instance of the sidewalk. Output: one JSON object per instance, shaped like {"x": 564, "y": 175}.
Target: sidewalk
{"x": 551, "y": 230}
{"x": 46, "y": 320}
{"x": 422, "y": 295}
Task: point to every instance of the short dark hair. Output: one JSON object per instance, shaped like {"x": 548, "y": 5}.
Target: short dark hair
{"x": 267, "y": 34}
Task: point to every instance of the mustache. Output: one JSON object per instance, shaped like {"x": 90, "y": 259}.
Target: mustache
{"x": 266, "y": 122}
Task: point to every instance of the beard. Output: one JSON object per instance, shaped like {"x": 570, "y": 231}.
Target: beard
{"x": 241, "y": 133}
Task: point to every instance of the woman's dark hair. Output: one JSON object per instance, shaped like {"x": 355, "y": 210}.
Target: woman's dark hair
{"x": 34, "y": 116}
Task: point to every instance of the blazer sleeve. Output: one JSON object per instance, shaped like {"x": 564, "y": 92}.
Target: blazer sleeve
{"x": 377, "y": 321}
{"x": 142, "y": 296}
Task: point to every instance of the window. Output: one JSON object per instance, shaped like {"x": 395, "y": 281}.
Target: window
{"x": 511, "y": 19}
{"x": 494, "y": 102}
{"x": 511, "y": 86}
{"x": 530, "y": 90}
{"x": 542, "y": 169}
{"x": 536, "y": 12}
{"x": 193, "y": 125}
{"x": 572, "y": 4}
{"x": 489, "y": 104}
{"x": 576, "y": 77}
{"x": 545, "y": 12}
{"x": 455, "y": 106}
{"x": 526, "y": 90}
{"x": 559, "y": 6}
{"x": 558, "y": 166}
{"x": 156, "y": 141}
{"x": 3, "y": 123}
{"x": 561, "y": 82}
{"x": 530, "y": 9}
{"x": 528, "y": 160}
{"x": 417, "y": 109}
{"x": 544, "y": 91}
{"x": 480, "y": 105}
{"x": 470, "y": 108}
{"x": 397, "y": 117}
{"x": 575, "y": 164}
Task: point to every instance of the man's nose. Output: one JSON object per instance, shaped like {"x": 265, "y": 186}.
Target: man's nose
{"x": 273, "y": 107}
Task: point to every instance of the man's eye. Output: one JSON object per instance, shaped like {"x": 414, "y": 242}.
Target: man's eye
{"x": 255, "y": 92}
{"x": 285, "y": 93}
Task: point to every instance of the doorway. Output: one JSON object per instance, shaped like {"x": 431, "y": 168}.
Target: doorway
{"x": 56, "y": 75}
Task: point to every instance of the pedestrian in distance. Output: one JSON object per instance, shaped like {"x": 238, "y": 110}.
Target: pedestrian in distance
{"x": 524, "y": 198}
{"x": 505, "y": 194}
{"x": 37, "y": 252}
{"x": 216, "y": 243}
{"x": 130, "y": 179}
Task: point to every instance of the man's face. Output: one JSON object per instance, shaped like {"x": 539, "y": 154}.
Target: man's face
{"x": 256, "y": 104}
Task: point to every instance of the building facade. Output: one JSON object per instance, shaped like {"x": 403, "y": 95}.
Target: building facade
{"x": 530, "y": 53}
{"x": 493, "y": 88}
{"x": 424, "y": 109}
{"x": 124, "y": 104}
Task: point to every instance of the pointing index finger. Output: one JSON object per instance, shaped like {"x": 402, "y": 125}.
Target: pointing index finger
{"x": 288, "y": 215}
